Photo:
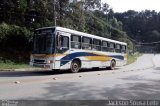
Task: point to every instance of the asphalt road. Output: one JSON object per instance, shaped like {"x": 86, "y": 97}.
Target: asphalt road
{"x": 139, "y": 80}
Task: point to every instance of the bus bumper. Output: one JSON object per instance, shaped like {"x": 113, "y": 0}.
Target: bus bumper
{"x": 46, "y": 66}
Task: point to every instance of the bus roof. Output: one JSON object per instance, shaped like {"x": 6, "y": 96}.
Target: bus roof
{"x": 83, "y": 34}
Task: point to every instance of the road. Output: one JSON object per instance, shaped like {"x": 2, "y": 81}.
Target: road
{"x": 139, "y": 80}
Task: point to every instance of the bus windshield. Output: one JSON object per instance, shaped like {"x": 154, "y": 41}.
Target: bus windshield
{"x": 44, "y": 43}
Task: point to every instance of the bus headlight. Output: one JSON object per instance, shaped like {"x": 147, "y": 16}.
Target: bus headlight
{"x": 50, "y": 61}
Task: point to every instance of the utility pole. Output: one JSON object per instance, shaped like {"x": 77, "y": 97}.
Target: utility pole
{"x": 54, "y": 12}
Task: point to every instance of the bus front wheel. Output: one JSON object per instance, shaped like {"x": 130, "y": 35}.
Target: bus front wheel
{"x": 75, "y": 66}
{"x": 113, "y": 65}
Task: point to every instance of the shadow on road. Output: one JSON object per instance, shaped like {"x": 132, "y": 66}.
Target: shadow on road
{"x": 25, "y": 73}
{"x": 157, "y": 68}
{"x": 45, "y": 73}
{"x": 80, "y": 91}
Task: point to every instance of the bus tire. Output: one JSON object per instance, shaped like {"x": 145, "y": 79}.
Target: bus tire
{"x": 112, "y": 65}
{"x": 75, "y": 66}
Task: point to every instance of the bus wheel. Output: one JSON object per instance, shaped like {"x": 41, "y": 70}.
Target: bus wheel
{"x": 113, "y": 64}
{"x": 75, "y": 66}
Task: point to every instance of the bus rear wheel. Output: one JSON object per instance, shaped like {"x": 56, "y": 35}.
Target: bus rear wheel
{"x": 75, "y": 66}
{"x": 112, "y": 65}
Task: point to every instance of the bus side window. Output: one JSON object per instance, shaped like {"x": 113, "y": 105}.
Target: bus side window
{"x": 64, "y": 42}
{"x": 111, "y": 47}
{"x": 96, "y": 44}
{"x": 118, "y": 48}
{"x": 123, "y": 49}
{"x": 86, "y": 43}
{"x": 75, "y": 41}
{"x": 104, "y": 46}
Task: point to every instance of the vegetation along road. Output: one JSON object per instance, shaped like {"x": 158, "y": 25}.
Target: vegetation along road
{"x": 139, "y": 80}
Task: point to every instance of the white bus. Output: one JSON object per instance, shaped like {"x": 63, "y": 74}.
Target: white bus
{"x": 62, "y": 48}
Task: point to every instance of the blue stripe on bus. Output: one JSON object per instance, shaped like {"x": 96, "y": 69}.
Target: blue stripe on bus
{"x": 72, "y": 56}
{"x": 69, "y": 57}
{"x": 117, "y": 56}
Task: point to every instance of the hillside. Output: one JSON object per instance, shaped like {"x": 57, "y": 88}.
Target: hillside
{"x": 19, "y": 19}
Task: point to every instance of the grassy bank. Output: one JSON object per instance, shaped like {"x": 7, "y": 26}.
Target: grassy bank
{"x": 132, "y": 58}
{"x": 12, "y": 65}
{"x": 13, "y": 59}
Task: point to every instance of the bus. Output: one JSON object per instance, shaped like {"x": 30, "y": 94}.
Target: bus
{"x": 59, "y": 48}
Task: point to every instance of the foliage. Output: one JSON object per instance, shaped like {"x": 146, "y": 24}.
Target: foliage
{"x": 141, "y": 26}
{"x": 15, "y": 43}
{"x": 14, "y": 36}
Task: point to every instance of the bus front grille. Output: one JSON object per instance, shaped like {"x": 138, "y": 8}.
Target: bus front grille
{"x": 39, "y": 61}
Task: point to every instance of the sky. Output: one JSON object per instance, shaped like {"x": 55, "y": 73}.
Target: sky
{"x": 138, "y": 5}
